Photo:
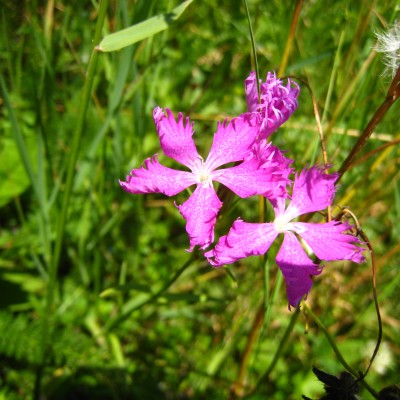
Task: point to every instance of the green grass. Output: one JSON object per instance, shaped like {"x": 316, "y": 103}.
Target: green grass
{"x": 98, "y": 297}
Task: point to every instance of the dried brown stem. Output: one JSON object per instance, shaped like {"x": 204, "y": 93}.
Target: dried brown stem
{"x": 239, "y": 385}
{"x": 375, "y": 151}
{"x": 392, "y": 95}
{"x": 290, "y": 38}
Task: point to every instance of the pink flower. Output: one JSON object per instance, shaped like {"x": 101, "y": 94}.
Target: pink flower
{"x": 277, "y": 104}
{"x": 313, "y": 190}
{"x": 264, "y": 170}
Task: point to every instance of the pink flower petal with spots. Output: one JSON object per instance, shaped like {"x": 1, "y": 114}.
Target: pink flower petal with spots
{"x": 277, "y": 102}
{"x": 233, "y": 140}
{"x": 313, "y": 190}
{"x": 297, "y": 269}
{"x": 200, "y": 212}
{"x": 328, "y": 242}
{"x": 155, "y": 178}
{"x": 176, "y": 137}
{"x": 243, "y": 240}
{"x": 265, "y": 172}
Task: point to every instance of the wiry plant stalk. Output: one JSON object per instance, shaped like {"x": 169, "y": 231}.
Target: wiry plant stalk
{"x": 338, "y": 353}
{"x": 253, "y": 46}
{"x": 51, "y": 287}
{"x": 290, "y": 39}
{"x": 392, "y": 95}
{"x": 278, "y": 353}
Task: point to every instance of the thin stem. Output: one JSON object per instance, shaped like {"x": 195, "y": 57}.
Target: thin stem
{"x": 113, "y": 323}
{"x": 364, "y": 237}
{"x": 239, "y": 385}
{"x": 253, "y": 45}
{"x": 317, "y": 119}
{"x": 320, "y": 131}
{"x": 375, "y": 151}
{"x": 338, "y": 353}
{"x": 282, "y": 344}
{"x": 290, "y": 38}
{"x": 392, "y": 95}
{"x": 278, "y": 353}
{"x": 344, "y": 99}
{"x": 332, "y": 79}
{"x": 260, "y": 322}
{"x": 85, "y": 99}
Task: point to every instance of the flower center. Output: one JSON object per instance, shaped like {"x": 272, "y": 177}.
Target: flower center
{"x": 202, "y": 172}
{"x": 282, "y": 222}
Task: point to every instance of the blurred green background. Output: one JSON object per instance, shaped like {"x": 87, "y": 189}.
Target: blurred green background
{"x": 105, "y": 328}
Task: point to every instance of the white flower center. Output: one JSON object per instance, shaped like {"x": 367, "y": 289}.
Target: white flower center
{"x": 202, "y": 172}
{"x": 282, "y": 222}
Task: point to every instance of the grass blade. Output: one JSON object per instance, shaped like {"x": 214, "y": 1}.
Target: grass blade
{"x": 142, "y": 30}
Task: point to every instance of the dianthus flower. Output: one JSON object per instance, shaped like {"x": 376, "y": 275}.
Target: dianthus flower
{"x": 313, "y": 190}
{"x": 263, "y": 170}
{"x": 277, "y": 102}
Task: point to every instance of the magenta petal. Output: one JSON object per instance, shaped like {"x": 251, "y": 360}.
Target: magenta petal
{"x": 200, "y": 211}
{"x": 245, "y": 180}
{"x": 243, "y": 240}
{"x": 233, "y": 140}
{"x": 277, "y": 166}
{"x": 155, "y": 178}
{"x": 296, "y": 267}
{"x": 251, "y": 92}
{"x": 328, "y": 242}
{"x": 264, "y": 172}
{"x": 313, "y": 190}
{"x": 176, "y": 137}
{"x": 277, "y": 102}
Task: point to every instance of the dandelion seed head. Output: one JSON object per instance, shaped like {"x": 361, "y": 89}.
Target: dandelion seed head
{"x": 389, "y": 45}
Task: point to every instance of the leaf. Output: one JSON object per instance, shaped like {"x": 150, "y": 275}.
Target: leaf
{"x": 13, "y": 177}
{"x": 22, "y": 145}
{"x": 344, "y": 387}
{"x": 142, "y": 30}
{"x": 390, "y": 393}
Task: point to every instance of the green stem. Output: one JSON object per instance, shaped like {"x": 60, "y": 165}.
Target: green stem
{"x": 278, "y": 353}
{"x": 338, "y": 353}
{"x": 270, "y": 302}
{"x": 253, "y": 45}
{"x": 85, "y": 99}
{"x": 282, "y": 343}
{"x": 129, "y": 310}
{"x": 84, "y": 103}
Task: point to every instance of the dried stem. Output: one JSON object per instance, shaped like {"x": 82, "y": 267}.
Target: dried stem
{"x": 290, "y": 38}
{"x": 392, "y": 95}
{"x": 320, "y": 131}
{"x": 375, "y": 151}
{"x": 239, "y": 385}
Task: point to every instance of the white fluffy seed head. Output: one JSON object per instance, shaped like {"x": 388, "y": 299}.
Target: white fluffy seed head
{"x": 389, "y": 45}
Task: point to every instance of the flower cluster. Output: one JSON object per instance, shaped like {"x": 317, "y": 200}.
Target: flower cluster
{"x": 259, "y": 168}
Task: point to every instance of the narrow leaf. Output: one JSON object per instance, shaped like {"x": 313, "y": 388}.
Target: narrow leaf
{"x": 142, "y": 30}
{"x": 22, "y": 145}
